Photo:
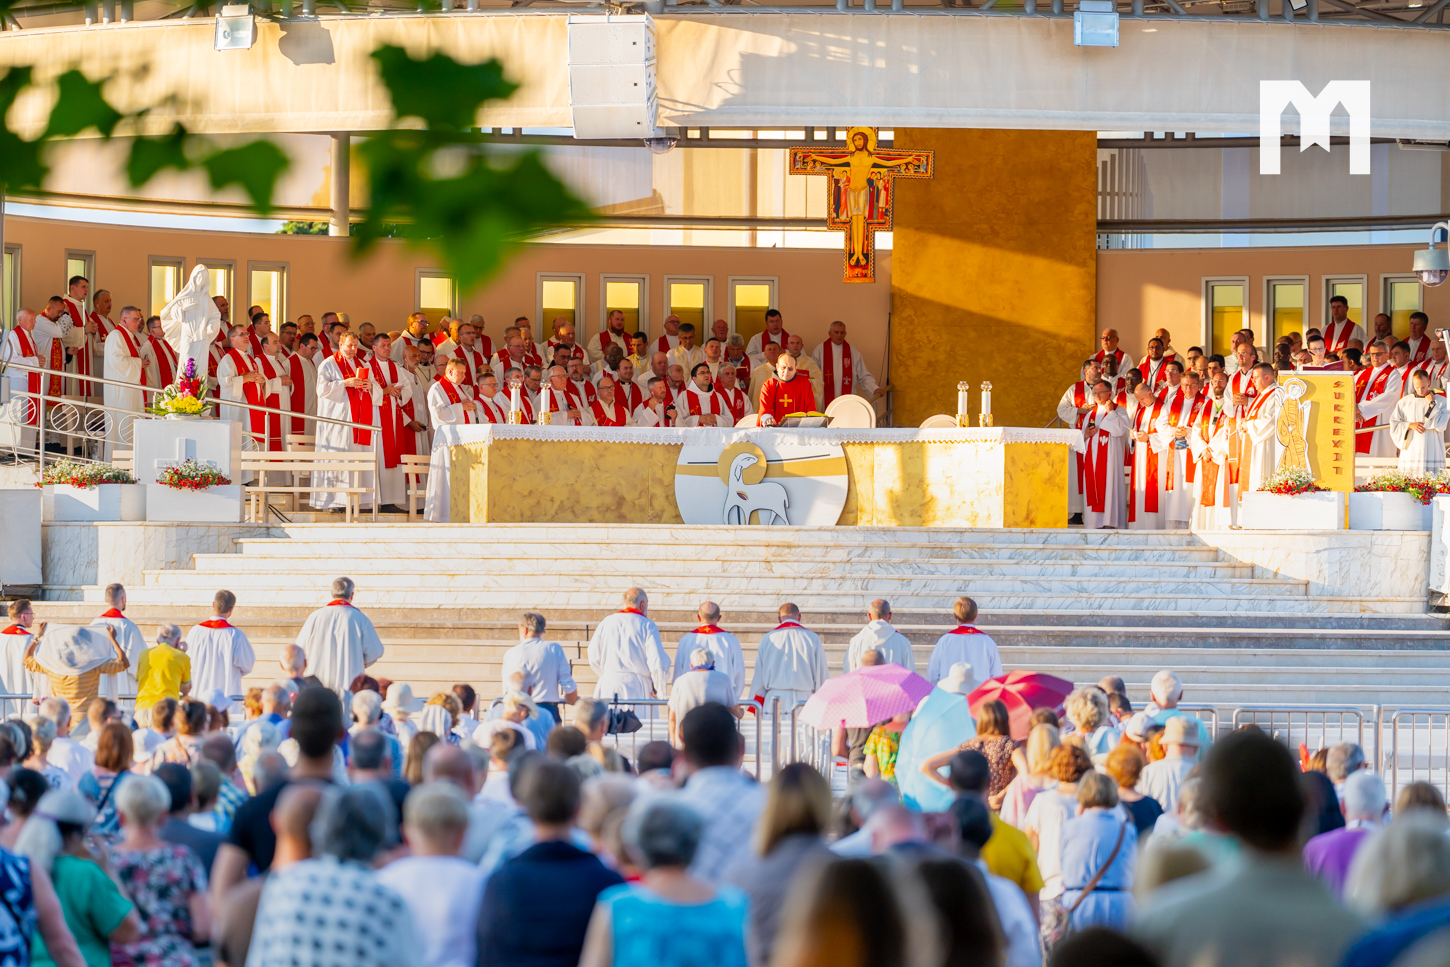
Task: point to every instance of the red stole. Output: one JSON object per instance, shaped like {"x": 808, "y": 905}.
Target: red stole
{"x": 252, "y": 392}
{"x": 633, "y": 395}
{"x": 1158, "y": 377}
{"x": 214, "y": 623}
{"x": 576, "y": 353}
{"x": 1367, "y": 387}
{"x": 1242, "y": 383}
{"x": 57, "y": 365}
{"x": 1080, "y": 399}
{"x": 390, "y": 415}
{"x": 131, "y": 348}
{"x": 83, "y": 355}
{"x": 606, "y": 339}
{"x": 359, "y": 401}
{"x": 297, "y": 395}
{"x": 549, "y": 403}
{"x": 1336, "y": 339}
{"x": 32, "y": 380}
{"x": 828, "y": 368}
{"x": 492, "y": 411}
{"x": 694, "y": 405}
{"x": 112, "y": 613}
{"x": 14, "y": 630}
{"x": 580, "y": 397}
{"x": 616, "y": 415}
{"x": 166, "y": 359}
{"x": 474, "y": 359}
{"x": 1095, "y": 463}
{"x": 766, "y": 337}
{"x": 455, "y": 397}
{"x": 1117, "y": 355}
{"x": 1150, "y": 461}
{"x": 787, "y": 624}
{"x": 663, "y": 344}
{"x": 1259, "y": 402}
{"x": 1418, "y": 355}
{"x": 1175, "y": 416}
{"x": 734, "y": 400}
{"x": 1405, "y": 378}
{"x": 968, "y": 629}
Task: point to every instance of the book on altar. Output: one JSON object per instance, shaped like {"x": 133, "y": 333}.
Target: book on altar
{"x": 74, "y": 649}
{"x": 805, "y": 421}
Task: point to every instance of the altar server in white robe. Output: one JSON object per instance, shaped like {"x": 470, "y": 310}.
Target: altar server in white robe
{"x": 125, "y": 360}
{"x": 1175, "y": 416}
{"x": 964, "y": 643}
{"x": 1072, "y": 410}
{"x": 1150, "y": 463}
{"x": 1105, "y": 435}
{"x": 1260, "y": 428}
{"x": 1214, "y": 435}
{"x": 220, "y": 653}
{"x": 345, "y": 391}
{"x": 723, "y": 647}
{"x": 843, "y": 370}
{"x": 14, "y": 640}
{"x": 790, "y": 663}
{"x": 339, "y": 640}
{"x": 21, "y": 411}
{"x": 450, "y": 402}
{"x": 128, "y": 636}
{"x": 879, "y": 635}
{"x": 627, "y": 654}
{"x": 1418, "y": 427}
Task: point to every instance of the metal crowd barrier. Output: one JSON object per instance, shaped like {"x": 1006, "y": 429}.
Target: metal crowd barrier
{"x": 1316, "y": 726}
{"x": 1416, "y": 765}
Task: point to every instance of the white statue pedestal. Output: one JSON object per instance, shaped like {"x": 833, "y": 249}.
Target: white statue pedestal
{"x": 216, "y": 443}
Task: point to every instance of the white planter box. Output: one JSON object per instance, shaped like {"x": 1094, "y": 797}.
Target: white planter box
{"x": 215, "y": 505}
{"x": 1321, "y": 511}
{"x": 1387, "y": 512}
{"x": 86, "y": 505}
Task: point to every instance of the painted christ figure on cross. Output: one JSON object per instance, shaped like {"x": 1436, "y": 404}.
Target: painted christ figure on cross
{"x": 859, "y": 196}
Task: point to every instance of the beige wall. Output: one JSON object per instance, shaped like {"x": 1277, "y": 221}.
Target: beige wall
{"x": 1147, "y": 289}
{"x": 321, "y": 276}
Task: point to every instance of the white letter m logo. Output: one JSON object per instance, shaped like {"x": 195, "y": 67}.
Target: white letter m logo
{"x": 1275, "y": 96}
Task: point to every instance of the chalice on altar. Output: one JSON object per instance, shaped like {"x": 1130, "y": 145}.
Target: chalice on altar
{"x": 516, "y": 404}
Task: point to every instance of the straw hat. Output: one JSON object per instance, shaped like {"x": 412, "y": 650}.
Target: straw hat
{"x": 959, "y": 679}
{"x": 401, "y": 699}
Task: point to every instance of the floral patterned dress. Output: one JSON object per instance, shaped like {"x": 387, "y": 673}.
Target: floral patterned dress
{"x": 884, "y": 745}
{"x": 161, "y": 883}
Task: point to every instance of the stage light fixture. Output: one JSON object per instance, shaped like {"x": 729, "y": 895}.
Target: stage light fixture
{"x": 236, "y": 27}
{"x": 1432, "y": 265}
{"x": 1095, "y": 24}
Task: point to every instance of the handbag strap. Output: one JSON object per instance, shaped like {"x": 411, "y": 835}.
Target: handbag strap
{"x": 1093, "y": 883}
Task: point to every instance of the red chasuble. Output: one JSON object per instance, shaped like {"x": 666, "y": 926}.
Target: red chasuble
{"x": 777, "y": 398}
{"x": 1367, "y": 389}
{"x": 390, "y": 413}
{"x": 1095, "y": 464}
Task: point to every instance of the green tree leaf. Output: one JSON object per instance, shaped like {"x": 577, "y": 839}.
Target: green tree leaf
{"x": 150, "y": 156}
{"x": 21, "y": 165}
{"x": 255, "y": 166}
{"x": 438, "y": 89}
{"x": 80, "y": 106}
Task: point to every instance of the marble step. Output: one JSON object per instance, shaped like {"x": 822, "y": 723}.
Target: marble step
{"x": 363, "y": 570}
{"x": 684, "y": 534}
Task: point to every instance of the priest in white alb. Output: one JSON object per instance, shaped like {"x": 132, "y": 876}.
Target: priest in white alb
{"x": 15, "y": 640}
{"x": 1176, "y": 414}
{"x": 128, "y": 636}
{"x": 345, "y": 391}
{"x": 627, "y": 654}
{"x": 790, "y": 663}
{"x": 964, "y": 643}
{"x": 1072, "y": 410}
{"x": 493, "y": 406}
{"x": 397, "y": 439}
{"x": 1378, "y": 394}
{"x": 608, "y": 408}
{"x": 220, "y": 653}
{"x": 339, "y": 641}
{"x": 721, "y": 644}
{"x": 22, "y": 411}
{"x": 843, "y": 370}
{"x": 879, "y": 635}
{"x": 1150, "y": 463}
{"x": 1418, "y": 428}
{"x": 700, "y": 405}
{"x": 1261, "y": 430}
{"x": 450, "y": 403}
{"x": 1214, "y": 441}
{"x": 1105, "y": 434}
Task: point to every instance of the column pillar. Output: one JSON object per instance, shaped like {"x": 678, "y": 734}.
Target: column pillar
{"x": 341, "y": 185}
{"x": 994, "y": 272}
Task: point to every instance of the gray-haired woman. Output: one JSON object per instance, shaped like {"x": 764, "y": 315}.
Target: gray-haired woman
{"x": 669, "y": 918}
{"x": 98, "y": 913}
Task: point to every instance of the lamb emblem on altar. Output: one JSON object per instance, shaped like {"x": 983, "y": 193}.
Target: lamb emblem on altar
{"x": 744, "y": 498}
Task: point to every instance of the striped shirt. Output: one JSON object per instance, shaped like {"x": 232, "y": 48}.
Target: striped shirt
{"x": 78, "y": 690}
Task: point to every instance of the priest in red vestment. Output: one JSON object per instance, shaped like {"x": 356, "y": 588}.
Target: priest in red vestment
{"x": 788, "y": 391}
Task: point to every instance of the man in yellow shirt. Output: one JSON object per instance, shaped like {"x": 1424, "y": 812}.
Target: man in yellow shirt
{"x": 163, "y": 671}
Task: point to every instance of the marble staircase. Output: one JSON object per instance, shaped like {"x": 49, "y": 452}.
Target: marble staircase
{"x": 1078, "y": 604}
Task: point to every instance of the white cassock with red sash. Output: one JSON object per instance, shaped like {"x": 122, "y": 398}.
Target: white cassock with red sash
{"x": 451, "y": 405}
{"x": 843, "y": 372}
{"x": 125, "y": 362}
{"x": 1076, "y": 395}
{"x": 557, "y": 403}
{"x": 1338, "y": 334}
{"x": 21, "y": 411}
{"x": 491, "y": 410}
{"x": 693, "y": 404}
{"x": 392, "y": 488}
{"x": 608, "y": 414}
{"x": 1124, "y": 361}
{"x": 735, "y": 401}
{"x": 600, "y": 343}
{"x": 1177, "y": 410}
{"x": 1215, "y": 491}
{"x": 581, "y": 393}
{"x": 475, "y": 360}
{"x": 969, "y": 644}
{"x": 1261, "y": 439}
{"x": 162, "y": 363}
{"x": 302, "y": 394}
{"x": 1377, "y": 394}
{"x": 1419, "y": 350}
{"x": 340, "y": 402}
{"x": 1153, "y": 373}
{"x": 1105, "y": 437}
{"x": 629, "y": 391}
{"x": 1151, "y": 464}
{"x": 756, "y": 346}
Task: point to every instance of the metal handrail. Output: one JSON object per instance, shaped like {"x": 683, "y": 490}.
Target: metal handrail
{"x": 43, "y": 397}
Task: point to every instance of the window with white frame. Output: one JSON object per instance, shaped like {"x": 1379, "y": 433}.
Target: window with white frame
{"x": 1225, "y": 311}
{"x": 266, "y": 289}
{"x": 559, "y": 296}
{"x": 168, "y": 275}
{"x": 435, "y": 294}
{"x": 628, "y": 294}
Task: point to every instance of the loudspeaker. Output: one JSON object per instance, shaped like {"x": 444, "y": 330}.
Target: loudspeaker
{"x": 612, "y": 76}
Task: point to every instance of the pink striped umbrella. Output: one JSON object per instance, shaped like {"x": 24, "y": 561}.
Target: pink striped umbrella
{"x": 865, "y": 697}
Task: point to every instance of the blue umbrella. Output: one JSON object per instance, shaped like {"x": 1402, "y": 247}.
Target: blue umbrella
{"x": 942, "y": 721}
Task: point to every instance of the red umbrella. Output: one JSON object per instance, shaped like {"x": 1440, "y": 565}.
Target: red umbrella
{"x": 1023, "y": 693}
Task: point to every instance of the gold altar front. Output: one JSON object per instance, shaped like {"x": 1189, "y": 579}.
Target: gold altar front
{"x": 969, "y": 483}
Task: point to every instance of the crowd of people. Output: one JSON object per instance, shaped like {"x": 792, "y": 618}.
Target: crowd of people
{"x": 1172, "y": 441}
{"x": 331, "y": 821}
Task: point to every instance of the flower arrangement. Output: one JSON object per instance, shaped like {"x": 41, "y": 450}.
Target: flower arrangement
{"x": 84, "y": 475}
{"x": 1290, "y": 482}
{"x": 1422, "y": 489}
{"x": 183, "y": 397}
{"x": 190, "y": 475}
